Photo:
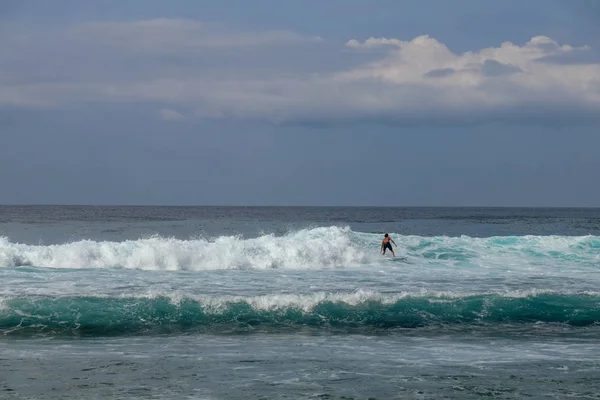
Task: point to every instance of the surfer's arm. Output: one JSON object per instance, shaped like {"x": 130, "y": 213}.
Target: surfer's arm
{"x": 393, "y": 242}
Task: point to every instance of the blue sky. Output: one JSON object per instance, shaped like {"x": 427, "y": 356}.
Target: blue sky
{"x": 424, "y": 102}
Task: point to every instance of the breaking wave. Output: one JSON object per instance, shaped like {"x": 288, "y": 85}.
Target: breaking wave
{"x": 90, "y": 315}
{"x": 324, "y": 247}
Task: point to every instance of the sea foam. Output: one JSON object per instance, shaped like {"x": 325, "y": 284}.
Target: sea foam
{"x": 324, "y": 247}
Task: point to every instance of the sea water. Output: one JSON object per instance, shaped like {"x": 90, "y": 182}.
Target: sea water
{"x": 267, "y": 302}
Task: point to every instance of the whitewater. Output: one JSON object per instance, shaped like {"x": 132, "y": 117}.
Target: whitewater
{"x": 288, "y": 302}
{"x": 324, "y": 277}
{"x": 326, "y": 247}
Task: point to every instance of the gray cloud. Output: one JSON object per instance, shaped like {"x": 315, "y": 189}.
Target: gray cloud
{"x": 496, "y": 68}
{"x": 219, "y": 73}
{"x": 573, "y": 58}
{"x": 440, "y": 73}
{"x": 174, "y": 36}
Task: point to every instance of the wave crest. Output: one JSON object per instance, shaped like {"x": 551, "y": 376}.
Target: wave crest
{"x": 312, "y": 248}
{"x": 88, "y": 315}
{"x": 325, "y": 247}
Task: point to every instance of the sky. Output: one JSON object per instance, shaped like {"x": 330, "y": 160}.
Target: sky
{"x": 265, "y": 102}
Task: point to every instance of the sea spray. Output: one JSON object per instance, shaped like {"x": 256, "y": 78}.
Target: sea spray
{"x": 325, "y": 247}
{"x": 314, "y": 248}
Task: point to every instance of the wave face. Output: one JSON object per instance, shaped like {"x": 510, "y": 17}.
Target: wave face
{"x": 304, "y": 249}
{"x": 353, "y": 311}
{"x": 314, "y": 248}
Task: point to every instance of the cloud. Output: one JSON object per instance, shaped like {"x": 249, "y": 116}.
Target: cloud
{"x": 574, "y": 57}
{"x": 176, "y": 35}
{"x": 222, "y": 73}
{"x": 496, "y": 68}
{"x": 170, "y": 115}
{"x": 373, "y": 42}
{"x": 440, "y": 73}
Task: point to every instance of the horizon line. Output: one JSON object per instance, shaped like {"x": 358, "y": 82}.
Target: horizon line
{"x": 291, "y": 206}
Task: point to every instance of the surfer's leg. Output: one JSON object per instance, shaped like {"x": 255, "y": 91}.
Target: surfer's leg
{"x": 388, "y": 246}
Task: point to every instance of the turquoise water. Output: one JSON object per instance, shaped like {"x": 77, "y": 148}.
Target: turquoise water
{"x": 221, "y": 303}
{"x": 60, "y": 315}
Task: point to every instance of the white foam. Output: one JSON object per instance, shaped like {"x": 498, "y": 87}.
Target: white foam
{"x": 313, "y": 248}
{"x": 325, "y": 247}
{"x": 307, "y": 302}
{"x": 507, "y": 251}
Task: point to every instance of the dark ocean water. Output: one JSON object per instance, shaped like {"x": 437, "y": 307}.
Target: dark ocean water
{"x": 294, "y": 302}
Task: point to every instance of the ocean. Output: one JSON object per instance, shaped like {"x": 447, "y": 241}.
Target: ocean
{"x": 298, "y": 303}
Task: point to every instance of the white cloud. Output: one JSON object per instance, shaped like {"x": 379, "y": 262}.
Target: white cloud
{"x": 508, "y": 76}
{"x": 170, "y": 115}
{"x": 421, "y": 79}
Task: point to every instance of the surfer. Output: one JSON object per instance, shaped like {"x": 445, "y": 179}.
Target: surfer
{"x": 385, "y": 244}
